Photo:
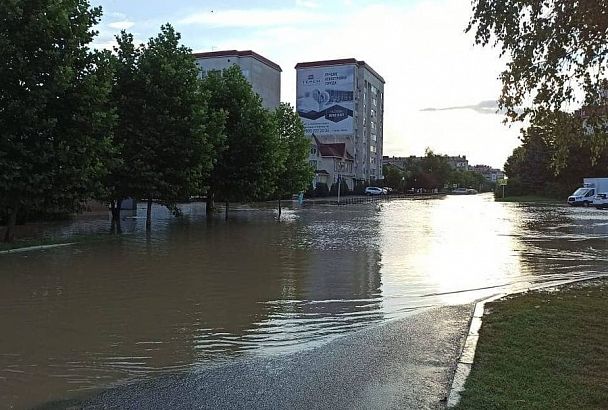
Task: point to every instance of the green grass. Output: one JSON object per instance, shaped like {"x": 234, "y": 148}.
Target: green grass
{"x": 528, "y": 198}
{"x": 543, "y": 350}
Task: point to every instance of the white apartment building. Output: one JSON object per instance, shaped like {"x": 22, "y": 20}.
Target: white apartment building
{"x": 263, "y": 75}
{"x": 342, "y": 102}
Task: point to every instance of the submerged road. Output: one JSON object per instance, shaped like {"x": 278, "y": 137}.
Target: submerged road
{"x": 405, "y": 363}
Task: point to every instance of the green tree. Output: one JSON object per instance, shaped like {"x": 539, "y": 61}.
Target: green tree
{"x": 532, "y": 170}
{"x": 294, "y": 173}
{"x": 55, "y": 120}
{"x": 249, "y": 160}
{"x": 127, "y": 100}
{"x": 435, "y": 170}
{"x": 394, "y": 177}
{"x": 557, "y": 54}
{"x": 167, "y": 132}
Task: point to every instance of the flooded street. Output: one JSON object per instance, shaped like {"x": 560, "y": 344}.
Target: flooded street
{"x": 196, "y": 293}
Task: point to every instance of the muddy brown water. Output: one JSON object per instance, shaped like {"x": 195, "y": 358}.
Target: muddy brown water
{"x": 196, "y": 293}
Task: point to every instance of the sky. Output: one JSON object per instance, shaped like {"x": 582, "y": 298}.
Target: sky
{"x": 440, "y": 89}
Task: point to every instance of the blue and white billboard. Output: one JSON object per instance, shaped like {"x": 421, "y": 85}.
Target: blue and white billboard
{"x": 325, "y": 99}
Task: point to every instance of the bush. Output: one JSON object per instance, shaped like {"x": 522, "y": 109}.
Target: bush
{"x": 344, "y": 190}
{"x": 360, "y": 188}
{"x": 310, "y": 192}
{"x": 321, "y": 190}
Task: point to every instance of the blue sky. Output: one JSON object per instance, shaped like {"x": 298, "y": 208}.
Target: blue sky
{"x": 419, "y": 47}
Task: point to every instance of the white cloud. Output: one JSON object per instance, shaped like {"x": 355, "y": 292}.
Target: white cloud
{"x": 121, "y": 25}
{"x": 104, "y": 45}
{"x": 254, "y": 18}
{"x": 420, "y": 48}
{"x": 307, "y": 3}
{"x": 427, "y": 61}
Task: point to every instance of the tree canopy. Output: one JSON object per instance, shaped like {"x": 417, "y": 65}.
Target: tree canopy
{"x": 169, "y": 152}
{"x": 557, "y": 53}
{"x": 248, "y": 159}
{"x": 55, "y": 120}
{"x": 295, "y": 174}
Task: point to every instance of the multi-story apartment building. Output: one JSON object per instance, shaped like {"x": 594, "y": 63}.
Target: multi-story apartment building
{"x": 263, "y": 75}
{"x": 342, "y": 102}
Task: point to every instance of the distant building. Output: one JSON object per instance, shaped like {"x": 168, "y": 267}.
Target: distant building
{"x": 263, "y": 75}
{"x": 399, "y": 162}
{"x": 459, "y": 162}
{"x": 489, "y": 173}
{"x": 342, "y": 102}
{"x": 330, "y": 160}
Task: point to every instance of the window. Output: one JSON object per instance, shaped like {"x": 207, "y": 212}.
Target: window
{"x": 313, "y": 164}
{"x": 372, "y": 148}
{"x": 374, "y": 101}
{"x": 373, "y": 124}
{"x": 313, "y": 150}
{"x": 372, "y": 112}
{"x": 373, "y": 137}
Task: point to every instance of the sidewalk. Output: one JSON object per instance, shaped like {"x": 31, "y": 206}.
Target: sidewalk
{"x": 401, "y": 364}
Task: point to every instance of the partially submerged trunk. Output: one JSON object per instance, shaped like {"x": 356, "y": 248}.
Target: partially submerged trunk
{"x": 227, "y": 205}
{"x": 210, "y": 205}
{"x": 9, "y": 234}
{"x": 115, "y": 209}
{"x": 149, "y": 215}
{"x": 280, "y": 208}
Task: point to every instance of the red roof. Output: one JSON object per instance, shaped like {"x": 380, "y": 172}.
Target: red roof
{"x": 337, "y": 150}
{"x": 236, "y": 53}
{"x": 343, "y": 61}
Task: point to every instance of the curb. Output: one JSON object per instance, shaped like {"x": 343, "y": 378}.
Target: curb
{"x": 36, "y": 248}
{"x": 465, "y": 360}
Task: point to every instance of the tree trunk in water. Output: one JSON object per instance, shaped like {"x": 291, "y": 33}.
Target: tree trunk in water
{"x": 113, "y": 213}
{"x": 280, "y": 208}
{"x": 227, "y": 210}
{"x": 9, "y": 235}
{"x": 149, "y": 216}
{"x": 116, "y": 228}
{"x": 118, "y": 209}
{"x": 115, "y": 208}
{"x": 210, "y": 206}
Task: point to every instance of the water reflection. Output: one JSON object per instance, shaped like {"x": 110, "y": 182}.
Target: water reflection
{"x": 197, "y": 291}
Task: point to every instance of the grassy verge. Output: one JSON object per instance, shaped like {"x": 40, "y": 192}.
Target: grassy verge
{"x": 543, "y": 350}
{"x": 528, "y": 198}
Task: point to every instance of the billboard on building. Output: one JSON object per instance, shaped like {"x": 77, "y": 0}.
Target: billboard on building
{"x": 325, "y": 99}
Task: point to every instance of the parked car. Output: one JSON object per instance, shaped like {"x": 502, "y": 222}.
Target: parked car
{"x": 460, "y": 191}
{"x": 600, "y": 201}
{"x": 374, "y": 190}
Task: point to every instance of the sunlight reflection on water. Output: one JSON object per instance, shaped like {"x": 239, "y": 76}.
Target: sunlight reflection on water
{"x": 196, "y": 292}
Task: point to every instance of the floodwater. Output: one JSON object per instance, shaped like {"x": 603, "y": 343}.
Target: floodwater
{"x": 196, "y": 293}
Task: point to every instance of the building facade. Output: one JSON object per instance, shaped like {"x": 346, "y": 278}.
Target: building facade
{"x": 330, "y": 160}
{"x": 342, "y": 102}
{"x": 263, "y": 75}
{"x": 489, "y": 173}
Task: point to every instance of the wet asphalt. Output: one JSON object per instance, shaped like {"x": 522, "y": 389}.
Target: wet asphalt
{"x": 401, "y": 364}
